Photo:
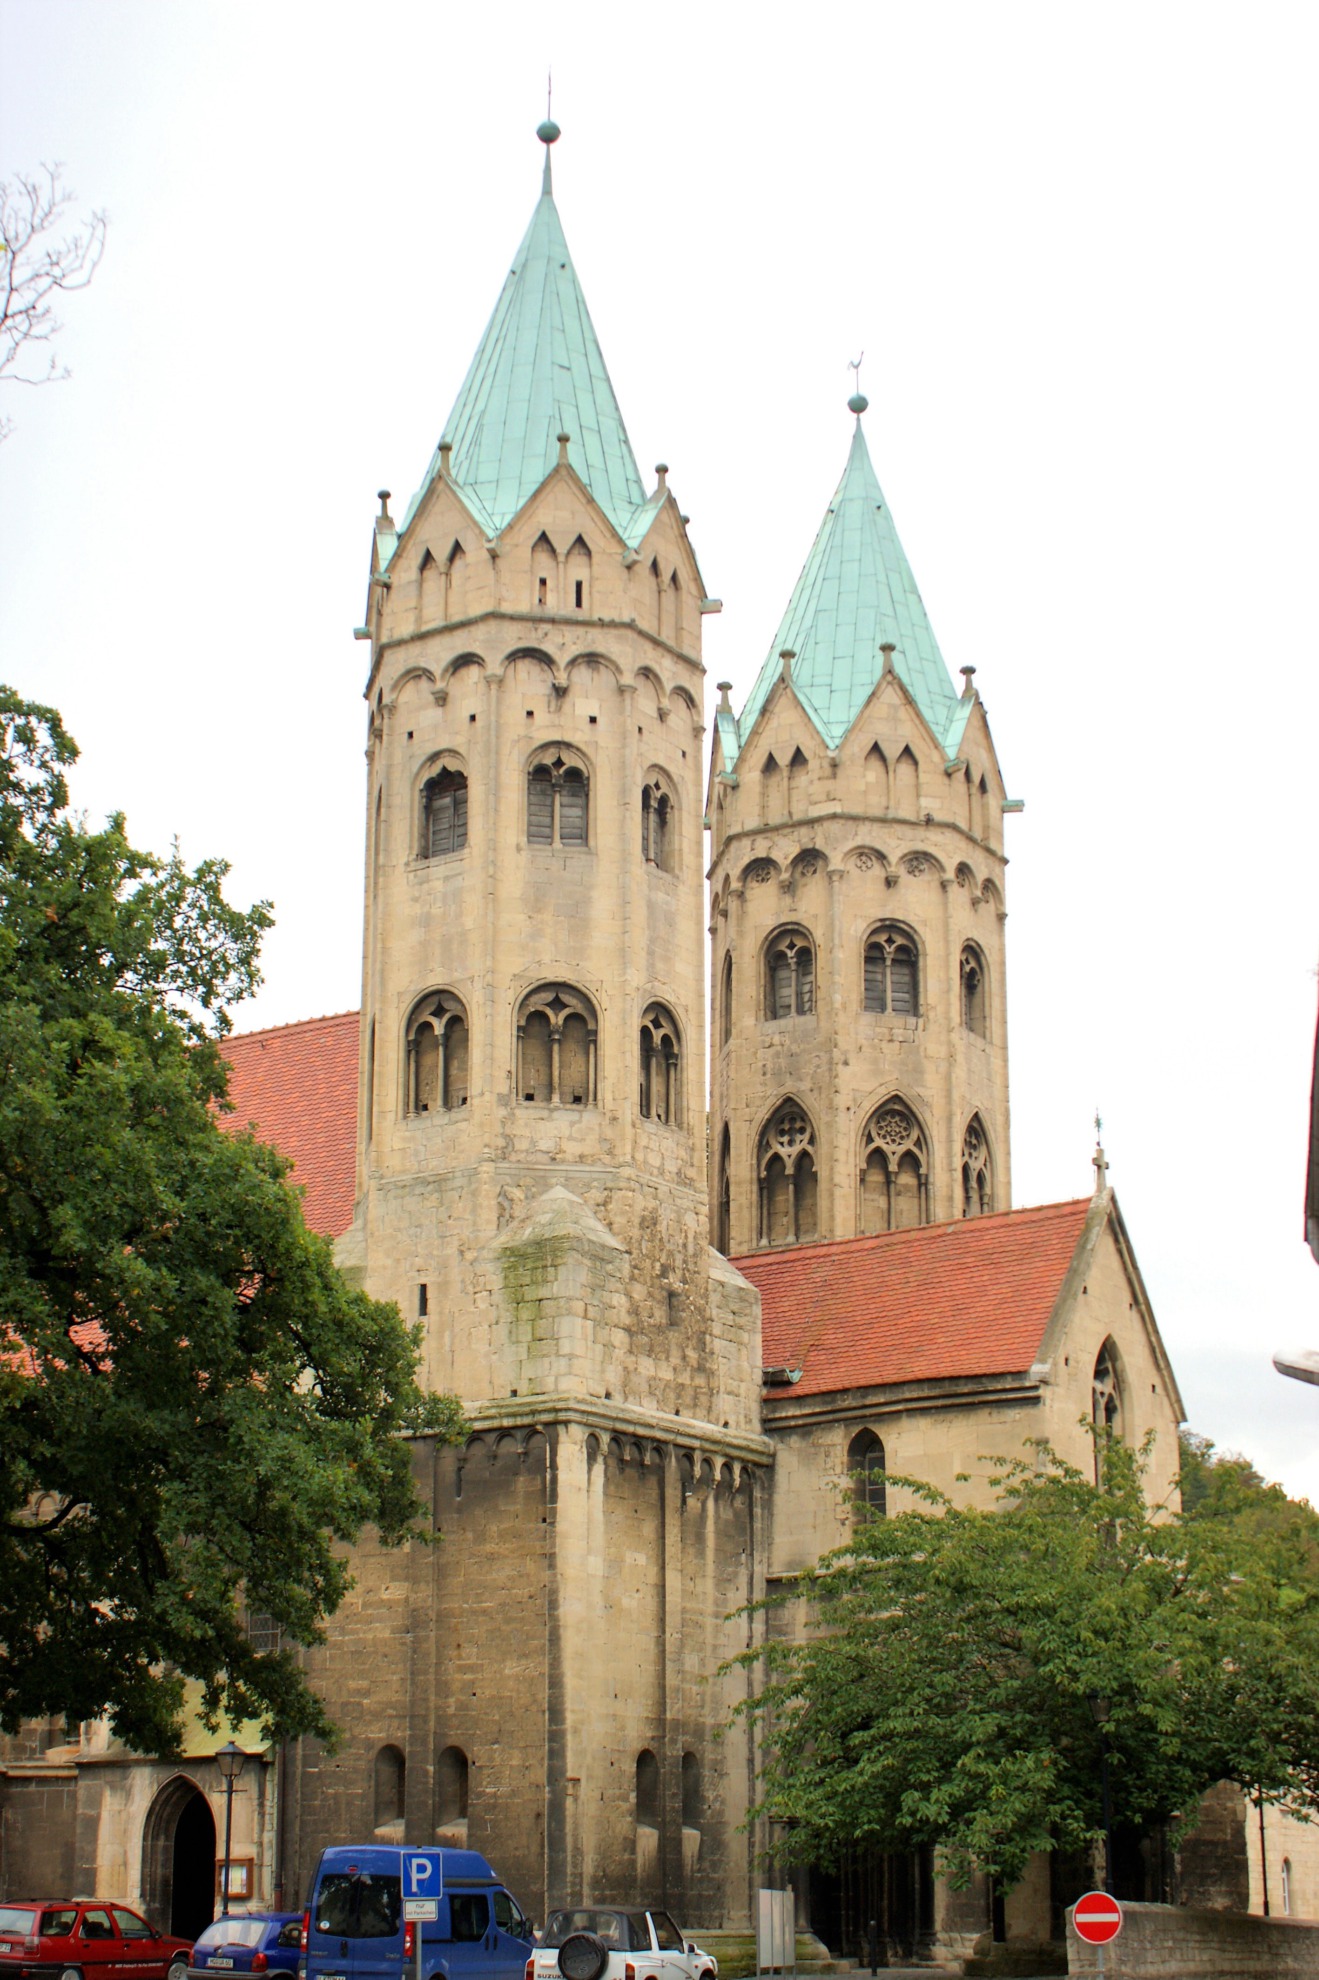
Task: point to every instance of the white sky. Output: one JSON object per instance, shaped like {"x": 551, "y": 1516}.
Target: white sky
{"x": 1077, "y": 246}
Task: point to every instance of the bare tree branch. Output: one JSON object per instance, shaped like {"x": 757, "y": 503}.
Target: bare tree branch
{"x": 39, "y": 261}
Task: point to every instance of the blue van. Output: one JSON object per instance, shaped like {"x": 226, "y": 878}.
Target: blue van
{"x": 354, "y": 1927}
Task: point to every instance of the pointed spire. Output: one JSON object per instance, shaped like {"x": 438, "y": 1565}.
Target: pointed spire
{"x": 539, "y": 372}
{"x": 855, "y": 609}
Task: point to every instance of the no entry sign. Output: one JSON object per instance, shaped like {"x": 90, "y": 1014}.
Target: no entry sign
{"x": 1097, "y": 1918}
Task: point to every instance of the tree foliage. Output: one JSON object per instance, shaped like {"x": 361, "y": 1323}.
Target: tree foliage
{"x": 41, "y": 259}
{"x": 195, "y": 1406}
{"x": 950, "y": 1678}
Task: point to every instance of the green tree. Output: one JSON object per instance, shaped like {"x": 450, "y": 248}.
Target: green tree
{"x": 195, "y": 1406}
{"x": 948, "y": 1683}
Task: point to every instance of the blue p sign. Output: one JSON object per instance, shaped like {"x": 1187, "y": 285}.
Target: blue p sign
{"x": 422, "y": 1877}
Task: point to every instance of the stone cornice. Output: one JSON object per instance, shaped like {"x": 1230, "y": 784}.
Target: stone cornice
{"x": 610, "y": 1418}
{"x": 899, "y": 1398}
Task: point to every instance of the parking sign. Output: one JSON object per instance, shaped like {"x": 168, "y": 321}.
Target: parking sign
{"x": 422, "y": 1874}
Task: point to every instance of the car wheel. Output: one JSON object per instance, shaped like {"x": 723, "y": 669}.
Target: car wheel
{"x": 583, "y": 1956}
{"x": 177, "y": 1970}
{"x": 70, "y": 1973}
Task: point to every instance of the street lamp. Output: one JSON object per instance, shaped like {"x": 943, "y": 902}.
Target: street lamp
{"x": 1101, "y": 1711}
{"x": 229, "y": 1760}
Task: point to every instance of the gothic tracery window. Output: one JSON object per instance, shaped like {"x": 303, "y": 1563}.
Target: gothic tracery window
{"x": 977, "y": 1170}
{"x": 437, "y": 1054}
{"x": 558, "y": 803}
{"x": 659, "y": 1067}
{"x": 557, "y": 1037}
{"x": 1106, "y": 1392}
{"x": 865, "y": 1463}
{"x": 444, "y": 814}
{"x": 726, "y": 1001}
{"x": 895, "y": 1170}
{"x": 892, "y": 972}
{"x": 973, "y": 990}
{"x": 787, "y": 1179}
{"x": 724, "y": 1219}
{"x": 789, "y": 975}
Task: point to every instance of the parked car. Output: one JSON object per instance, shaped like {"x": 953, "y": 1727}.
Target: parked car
{"x": 591, "y": 1942}
{"x": 86, "y": 1940}
{"x": 354, "y": 1927}
{"x": 256, "y": 1942}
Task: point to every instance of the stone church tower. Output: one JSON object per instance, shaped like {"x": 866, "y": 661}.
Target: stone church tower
{"x": 531, "y": 1170}
{"x": 859, "y": 1066}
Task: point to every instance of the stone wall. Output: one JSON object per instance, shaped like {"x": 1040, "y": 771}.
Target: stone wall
{"x": 1163, "y": 1942}
{"x": 38, "y": 1812}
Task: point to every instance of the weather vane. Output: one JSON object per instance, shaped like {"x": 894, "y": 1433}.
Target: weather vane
{"x": 549, "y": 96}
{"x": 854, "y": 364}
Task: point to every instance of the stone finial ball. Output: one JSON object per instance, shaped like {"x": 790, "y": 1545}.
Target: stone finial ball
{"x": 548, "y": 131}
{"x": 858, "y": 403}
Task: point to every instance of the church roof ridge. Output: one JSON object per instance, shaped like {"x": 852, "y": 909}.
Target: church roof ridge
{"x": 855, "y": 594}
{"x": 538, "y": 372}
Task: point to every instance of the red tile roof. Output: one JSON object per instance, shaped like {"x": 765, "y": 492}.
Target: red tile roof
{"x": 971, "y": 1298}
{"x": 297, "y": 1084}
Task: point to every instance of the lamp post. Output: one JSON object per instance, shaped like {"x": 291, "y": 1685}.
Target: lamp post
{"x": 1101, "y": 1711}
{"x": 229, "y": 1760}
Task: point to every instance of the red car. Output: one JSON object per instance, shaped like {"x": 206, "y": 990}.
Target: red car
{"x": 86, "y": 1940}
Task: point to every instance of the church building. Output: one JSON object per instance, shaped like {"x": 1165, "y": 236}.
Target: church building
{"x": 687, "y": 1339}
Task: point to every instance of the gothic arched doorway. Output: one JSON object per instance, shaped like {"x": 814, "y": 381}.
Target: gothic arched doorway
{"x": 178, "y": 1859}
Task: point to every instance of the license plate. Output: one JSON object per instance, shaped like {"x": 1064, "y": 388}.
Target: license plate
{"x": 221, "y": 1962}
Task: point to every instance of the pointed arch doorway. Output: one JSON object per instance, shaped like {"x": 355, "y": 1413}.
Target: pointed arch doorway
{"x": 178, "y": 1859}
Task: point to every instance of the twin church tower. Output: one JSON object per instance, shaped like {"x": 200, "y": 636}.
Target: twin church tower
{"x": 537, "y": 1177}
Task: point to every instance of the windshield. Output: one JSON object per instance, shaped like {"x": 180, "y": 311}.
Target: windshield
{"x": 233, "y": 1932}
{"x": 17, "y": 1922}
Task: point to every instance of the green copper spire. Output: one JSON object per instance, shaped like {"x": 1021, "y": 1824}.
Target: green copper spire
{"x": 855, "y": 595}
{"x": 537, "y": 373}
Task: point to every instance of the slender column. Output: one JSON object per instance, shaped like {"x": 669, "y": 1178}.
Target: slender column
{"x": 442, "y": 1070}
{"x": 556, "y": 1055}
{"x": 521, "y": 1089}
{"x": 591, "y": 1038}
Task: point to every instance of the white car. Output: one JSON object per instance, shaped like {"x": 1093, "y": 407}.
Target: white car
{"x": 617, "y": 1942}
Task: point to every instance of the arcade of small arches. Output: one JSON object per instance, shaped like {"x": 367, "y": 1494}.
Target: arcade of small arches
{"x": 556, "y": 1058}
{"x": 894, "y": 1175}
{"x": 668, "y": 698}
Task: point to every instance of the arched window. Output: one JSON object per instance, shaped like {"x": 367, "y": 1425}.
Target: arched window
{"x": 977, "y": 1170}
{"x": 726, "y": 1000}
{"x": 438, "y": 1054}
{"x": 556, "y": 1047}
{"x": 544, "y": 575}
{"x": 451, "y": 1793}
{"x": 558, "y": 803}
{"x": 865, "y": 1462}
{"x": 771, "y": 790}
{"x": 892, "y": 972}
{"x": 660, "y": 1093}
{"x": 797, "y": 773}
{"x": 1286, "y": 1887}
{"x": 724, "y": 1222}
{"x": 907, "y": 786}
{"x": 973, "y": 990}
{"x": 657, "y": 827}
{"x": 390, "y": 1774}
{"x": 786, "y": 1174}
{"x": 444, "y": 814}
{"x": 579, "y": 576}
{"x": 895, "y": 1166}
{"x": 789, "y": 974}
{"x": 648, "y": 1789}
{"x": 1106, "y": 1392}
{"x": 691, "y": 1791}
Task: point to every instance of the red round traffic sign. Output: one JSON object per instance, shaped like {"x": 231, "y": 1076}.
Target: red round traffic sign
{"x": 1097, "y": 1918}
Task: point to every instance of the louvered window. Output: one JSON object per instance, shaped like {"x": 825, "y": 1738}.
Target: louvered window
{"x": 790, "y": 978}
{"x": 445, "y": 814}
{"x": 892, "y": 982}
{"x": 540, "y": 806}
{"x": 572, "y": 809}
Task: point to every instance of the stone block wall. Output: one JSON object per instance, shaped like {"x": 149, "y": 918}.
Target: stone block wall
{"x": 1166, "y": 1942}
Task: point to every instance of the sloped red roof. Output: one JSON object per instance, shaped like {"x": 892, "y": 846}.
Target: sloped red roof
{"x": 297, "y": 1085}
{"x": 970, "y": 1298}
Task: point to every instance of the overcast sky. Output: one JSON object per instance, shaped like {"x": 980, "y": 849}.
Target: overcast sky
{"x": 1076, "y": 244}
